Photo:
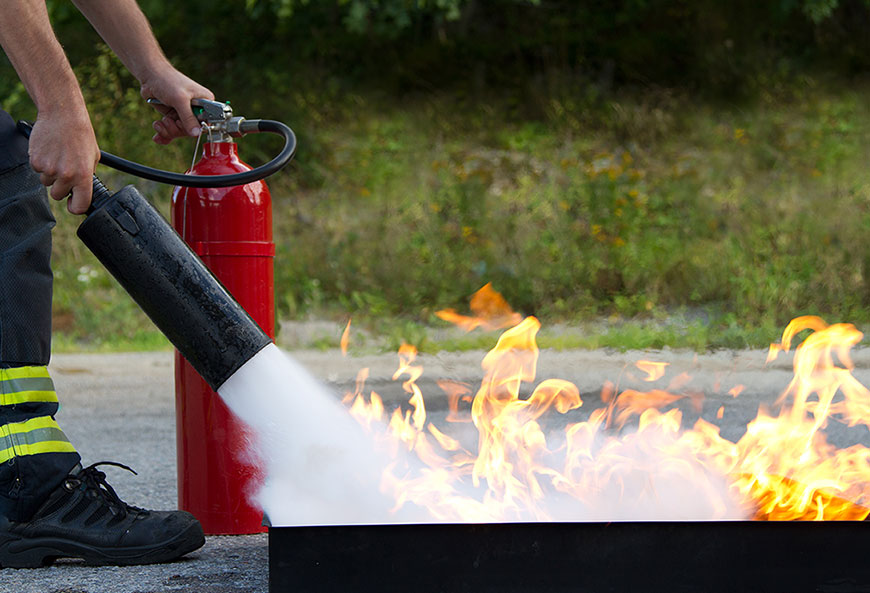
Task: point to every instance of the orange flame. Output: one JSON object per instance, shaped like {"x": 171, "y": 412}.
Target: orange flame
{"x": 345, "y": 338}
{"x": 654, "y": 370}
{"x": 736, "y": 390}
{"x": 455, "y": 392}
{"x": 782, "y": 468}
{"x": 631, "y": 402}
{"x": 490, "y": 310}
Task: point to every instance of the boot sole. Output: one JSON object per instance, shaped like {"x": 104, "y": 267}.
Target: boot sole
{"x": 19, "y": 552}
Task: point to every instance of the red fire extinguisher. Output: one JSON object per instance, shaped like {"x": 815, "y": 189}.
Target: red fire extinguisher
{"x": 231, "y": 231}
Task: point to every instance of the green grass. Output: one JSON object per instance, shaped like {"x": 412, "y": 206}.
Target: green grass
{"x": 680, "y": 330}
{"x": 142, "y": 341}
{"x": 633, "y": 208}
{"x": 578, "y": 208}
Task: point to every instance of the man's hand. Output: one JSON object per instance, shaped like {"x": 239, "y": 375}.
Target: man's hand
{"x": 175, "y": 91}
{"x": 64, "y": 151}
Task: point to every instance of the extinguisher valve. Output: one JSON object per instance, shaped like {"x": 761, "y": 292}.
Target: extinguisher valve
{"x": 217, "y": 117}
{"x": 235, "y": 127}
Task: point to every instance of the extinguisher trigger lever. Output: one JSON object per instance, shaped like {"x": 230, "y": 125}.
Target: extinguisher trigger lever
{"x": 205, "y": 110}
{"x": 211, "y": 112}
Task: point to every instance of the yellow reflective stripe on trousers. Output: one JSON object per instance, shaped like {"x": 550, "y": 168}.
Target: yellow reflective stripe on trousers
{"x": 37, "y": 435}
{"x": 26, "y": 384}
{"x": 24, "y": 373}
{"x": 30, "y": 425}
{"x": 43, "y": 447}
{"x": 20, "y": 397}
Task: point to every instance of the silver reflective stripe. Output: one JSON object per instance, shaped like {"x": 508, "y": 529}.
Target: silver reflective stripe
{"x": 34, "y": 436}
{"x": 27, "y": 384}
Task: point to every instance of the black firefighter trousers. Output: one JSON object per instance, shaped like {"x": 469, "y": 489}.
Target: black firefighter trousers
{"x": 35, "y": 455}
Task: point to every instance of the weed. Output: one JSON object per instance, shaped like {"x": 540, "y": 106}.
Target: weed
{"x": 618, "y": 206}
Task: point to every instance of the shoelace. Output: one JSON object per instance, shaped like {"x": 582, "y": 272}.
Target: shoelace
{"x": 96, "y": 480}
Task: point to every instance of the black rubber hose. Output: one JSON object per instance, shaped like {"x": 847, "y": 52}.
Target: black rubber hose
{"x": 254, "y": 125}
{"x": 248, "y": 126}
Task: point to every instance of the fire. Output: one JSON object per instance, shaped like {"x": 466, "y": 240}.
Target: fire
{"x": 490, "y": 309}
{"x": 345, "y": 338}
{"x": 654, "y": 370}
{"x": 782, "y": 468}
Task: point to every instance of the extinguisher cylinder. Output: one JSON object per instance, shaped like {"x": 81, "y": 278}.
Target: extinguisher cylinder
{"x": 172, "y": 285}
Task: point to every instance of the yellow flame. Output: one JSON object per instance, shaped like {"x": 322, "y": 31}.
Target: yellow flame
{"x": 782, "y": 468}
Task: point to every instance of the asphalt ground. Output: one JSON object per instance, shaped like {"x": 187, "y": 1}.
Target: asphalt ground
{"x": 120, "y": 407}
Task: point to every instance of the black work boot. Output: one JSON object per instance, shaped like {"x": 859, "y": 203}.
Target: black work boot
{"x": 84, "y": 518}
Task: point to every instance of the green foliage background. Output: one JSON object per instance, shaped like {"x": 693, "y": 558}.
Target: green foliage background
{"x": 637, "y": 158}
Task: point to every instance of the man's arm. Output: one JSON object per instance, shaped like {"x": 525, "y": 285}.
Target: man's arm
{"x": 63, "y": 148}
{"x": 123, "y": 26}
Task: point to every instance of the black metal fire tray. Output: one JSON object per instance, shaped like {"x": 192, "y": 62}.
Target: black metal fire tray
{"x": 690, "y": 557}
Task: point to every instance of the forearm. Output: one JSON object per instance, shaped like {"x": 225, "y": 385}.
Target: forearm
{"x": 123, "y": 26}
{"x": 29, "y": 42}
